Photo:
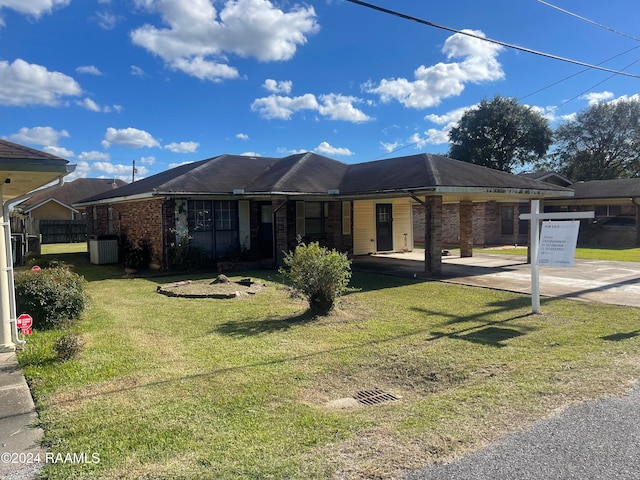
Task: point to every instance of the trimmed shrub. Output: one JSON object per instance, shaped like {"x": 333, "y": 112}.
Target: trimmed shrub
{"x": 52, "y": 296}
{"x": 318, "y": 274}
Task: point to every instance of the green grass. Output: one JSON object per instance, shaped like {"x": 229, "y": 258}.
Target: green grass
{"x": 58, "y": 248}
{"x": 227, "y": 389}
{"x": 609, "y": 254}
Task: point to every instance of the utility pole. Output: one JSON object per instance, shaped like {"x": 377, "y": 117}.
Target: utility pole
{"x": 133, "y": 172}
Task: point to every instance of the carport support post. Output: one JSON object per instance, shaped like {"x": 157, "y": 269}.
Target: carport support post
{"x": 6, "y": 342}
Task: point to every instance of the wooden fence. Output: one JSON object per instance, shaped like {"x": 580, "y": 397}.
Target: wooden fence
{"x": 63, "y": 231}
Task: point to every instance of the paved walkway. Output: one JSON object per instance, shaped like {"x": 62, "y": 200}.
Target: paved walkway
{"x": 18, "y": 436}
{"x": 594, "y": 280}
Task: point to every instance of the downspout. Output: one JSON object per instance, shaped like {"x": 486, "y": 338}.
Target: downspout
{"x": 6, "y": 227}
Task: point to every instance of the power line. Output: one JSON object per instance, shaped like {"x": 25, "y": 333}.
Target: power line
{"x": 490, "y": 40}
{"x": 589, "y": 21}
{"x": 583, "y": 71}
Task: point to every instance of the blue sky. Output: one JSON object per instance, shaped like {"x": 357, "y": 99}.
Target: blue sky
{"x": 163, "y": 82}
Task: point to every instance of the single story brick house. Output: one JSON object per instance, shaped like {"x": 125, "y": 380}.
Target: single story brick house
{"x": 229, "y": 205}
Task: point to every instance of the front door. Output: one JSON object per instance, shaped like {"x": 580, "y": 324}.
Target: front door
{"x": 265, "y": 231}
{"x": 384, "y": 230}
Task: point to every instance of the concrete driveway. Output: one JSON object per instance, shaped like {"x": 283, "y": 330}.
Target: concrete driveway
{"x": 593, "y": 280}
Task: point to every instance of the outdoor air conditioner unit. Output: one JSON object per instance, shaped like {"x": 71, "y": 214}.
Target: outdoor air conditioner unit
{"x": 103, "y": 251}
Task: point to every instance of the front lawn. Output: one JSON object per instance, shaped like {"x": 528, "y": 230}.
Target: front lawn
{"x": 248, "y": 388}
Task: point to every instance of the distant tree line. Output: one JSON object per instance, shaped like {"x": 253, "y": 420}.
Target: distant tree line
{"x": 601, "y": 142}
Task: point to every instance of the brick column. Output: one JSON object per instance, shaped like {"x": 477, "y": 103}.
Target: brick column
{"x": 433, "y": 236}
{"x": 466, "y": 228}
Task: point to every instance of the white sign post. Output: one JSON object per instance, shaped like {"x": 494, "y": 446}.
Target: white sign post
{"x": 551, "y": 241}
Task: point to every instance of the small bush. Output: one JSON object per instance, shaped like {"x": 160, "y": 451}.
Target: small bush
{"x": 52, "y": 296}
{"x": 68, "y": 346}
{"x": 320, "y": 275}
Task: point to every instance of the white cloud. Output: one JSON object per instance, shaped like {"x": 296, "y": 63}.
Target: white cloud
{"x": 23, "y": 83}
{"x": 250, "y": 154}
{"x": 129, "y": 137}
{"x": 83, "y": 170}
{"x": 389, "y": 147}
{"x": 334, "y": 106}
{"x": 434, "y": 136}
{"x": 182, "y": 147}
{"x": 274, "y": 86}
{"x": 45, "y": 136}
{"x": 433, "y": 84}
{"x": 326, "y": 149}
{"x": 59, "y": 151}
{"x": 275, "y": 106}
{"x": 34, "y": 8}
{"x": 107, "y": 20}
{"x": 94, "y": 155}
{"x": 198, "y": 38}
{"x": 89, "y": 105}
{"x": 340, "y": 107}
{"x": 242, "y": 136}
{"x": 147, "y": 160}
{"x": 137, "y": 71}
{"x": 89, "y": 69}
{"x": 597, "y": 97}
{"x": 119, "y": 170}
{"x": 174, "y": 165}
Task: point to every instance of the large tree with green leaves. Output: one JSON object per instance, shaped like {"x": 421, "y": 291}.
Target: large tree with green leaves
{"x": 601, "y": 143}
{"x": 500, "y": 133}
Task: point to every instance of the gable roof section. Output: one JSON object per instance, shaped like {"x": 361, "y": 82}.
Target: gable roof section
{"x": 618, "y": 188}
{"x": 549, "y": 177}
{"x": 313, "y": 174}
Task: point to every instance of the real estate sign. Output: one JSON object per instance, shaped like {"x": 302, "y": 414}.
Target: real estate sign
{"x": 558, "y": 241}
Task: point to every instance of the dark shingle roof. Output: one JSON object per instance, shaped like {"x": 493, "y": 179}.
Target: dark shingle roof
{"x": 619, "y": 188}
{"x": 13, "y": 151}
{"x": 425, "y": 171}
{"x": 310, "y": 173}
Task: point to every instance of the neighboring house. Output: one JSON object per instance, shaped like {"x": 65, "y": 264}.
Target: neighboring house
{"x": 232, "y": 204}
{"x": 57, "y": 204}
{"x": 51, "y": 217}
{"x": 616, "y": 206}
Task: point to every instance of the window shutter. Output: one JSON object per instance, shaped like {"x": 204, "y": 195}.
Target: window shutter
{"x": 300, "y": 219}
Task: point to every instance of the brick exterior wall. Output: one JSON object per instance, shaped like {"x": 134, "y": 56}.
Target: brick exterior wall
{"x": 132, "y": 222}
{"x": 485, "y": 222}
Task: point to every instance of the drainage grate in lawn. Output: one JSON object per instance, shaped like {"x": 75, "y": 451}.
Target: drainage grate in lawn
{"x": 374, "y": 397}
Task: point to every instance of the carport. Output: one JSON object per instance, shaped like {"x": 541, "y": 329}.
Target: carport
{"x": 22, "y": 170}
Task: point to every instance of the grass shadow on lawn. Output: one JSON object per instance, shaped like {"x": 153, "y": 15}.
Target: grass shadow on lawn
{"x": 258, "y": 327}
{"x": 484, "y": 331}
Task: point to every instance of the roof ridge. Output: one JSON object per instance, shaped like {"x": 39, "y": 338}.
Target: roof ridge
{"x": 432, "y": 170}
{"x": 282, "y": 180}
